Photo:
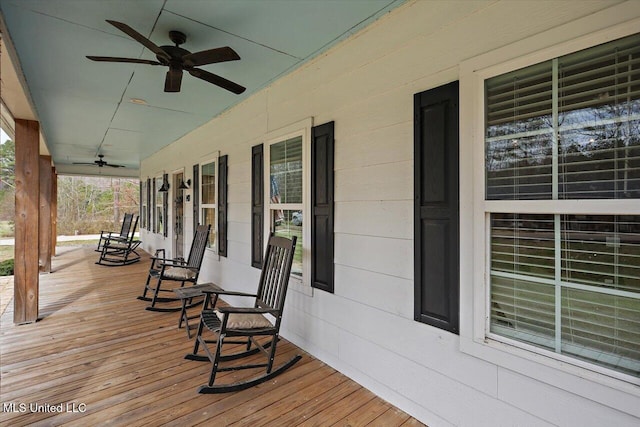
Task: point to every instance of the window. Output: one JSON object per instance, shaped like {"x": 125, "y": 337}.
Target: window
{"x": 564, "y": 272}
{"x": 208, "y": 199}
{"x": 159, "y": 207}
{"x": 285, "y": 202}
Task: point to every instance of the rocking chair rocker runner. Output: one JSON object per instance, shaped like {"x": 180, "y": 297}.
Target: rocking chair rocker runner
{"x": 123, "y": 236}
{"x": 116, "y": 251}
{"x": 176, "y": 270}
{"x": 248, "y": 323}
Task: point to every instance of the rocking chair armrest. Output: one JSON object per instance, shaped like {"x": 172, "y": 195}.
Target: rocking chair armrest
{"x": 247, "y": 310}
{"x": 231, "y": 293}
{"x": 173, "y": 263}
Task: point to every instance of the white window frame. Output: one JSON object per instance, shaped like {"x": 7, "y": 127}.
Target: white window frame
{"x": 302, "y": 129}
{"x": 565, "y": 372}
{"x": 214, "y": 227}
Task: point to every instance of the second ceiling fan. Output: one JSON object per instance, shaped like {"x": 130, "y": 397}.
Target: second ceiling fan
{"x": 178, "y": 59}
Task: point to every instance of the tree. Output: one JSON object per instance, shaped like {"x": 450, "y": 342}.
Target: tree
{"x": 7, "y": 164}
{"x": 7, "y": 180}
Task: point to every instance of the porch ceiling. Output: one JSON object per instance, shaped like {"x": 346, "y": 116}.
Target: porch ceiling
{"x": 85, "y": 107}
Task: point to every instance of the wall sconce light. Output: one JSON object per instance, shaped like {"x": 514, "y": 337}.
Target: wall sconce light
{"x": 165, "y": 187}
{"x": 184, "y": 186}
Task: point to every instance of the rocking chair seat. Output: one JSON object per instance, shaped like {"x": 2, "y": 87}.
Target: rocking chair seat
{"x": 119, "y": 245}
{"x": 179, "y": 273}
{"x": 237, "y": 321}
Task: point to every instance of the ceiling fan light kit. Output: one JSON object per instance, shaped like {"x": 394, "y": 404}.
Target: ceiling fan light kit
{"x": 178, "y": 59}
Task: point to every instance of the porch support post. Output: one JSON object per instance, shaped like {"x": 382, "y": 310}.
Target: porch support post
{"x": 54, "y": 210}
{"x": 27, "y": 180}
{"x": 46, "y": 190}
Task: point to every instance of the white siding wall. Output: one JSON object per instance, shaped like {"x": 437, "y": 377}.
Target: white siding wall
{"x": 366, "y": 329}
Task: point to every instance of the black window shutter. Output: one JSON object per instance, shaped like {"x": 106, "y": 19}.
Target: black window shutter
{"x": 154, "y": 226}
{"x": 141, "y": 213}
{"x": 322, "y": 144}
{"x": 222, "y": 204}
{"x": 148, "y": 196}
{"x": 165, "y": 207}
{"x": 196, "y": 196}
{"x": 257, "y": 204}
{"x": 436, "y": 210}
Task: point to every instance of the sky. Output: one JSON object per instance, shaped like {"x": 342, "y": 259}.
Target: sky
{"x": 3, "y": 136}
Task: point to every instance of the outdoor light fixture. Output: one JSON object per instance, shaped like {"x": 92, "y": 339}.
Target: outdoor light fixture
{"x": 184, "y": 186}
{"x": 165, "y": 187}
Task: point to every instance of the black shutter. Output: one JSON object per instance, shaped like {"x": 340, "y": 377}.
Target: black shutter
{"x": 322, "y": 143}
{"x": 165, "y": 207}
{"x": 140, "y": 198}
{"x": 196, "y": 196}
{"x": 222, "y": 204}
{"x": 148, "y": 196}
{"x": 257, "y": 204}
{"x": 154, "y": 226}
{"x": 436, "y": 240}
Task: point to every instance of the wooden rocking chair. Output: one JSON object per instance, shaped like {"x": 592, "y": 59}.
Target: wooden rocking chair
{"x": 123, "y": 236}
{"x": 176, "y": 270}
{"x": 248, "y": 323}
{"x": 116, "y": 251}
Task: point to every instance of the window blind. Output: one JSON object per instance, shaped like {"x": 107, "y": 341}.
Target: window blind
{"x": 590, "y": 307}
{"x": 582, "y": 109}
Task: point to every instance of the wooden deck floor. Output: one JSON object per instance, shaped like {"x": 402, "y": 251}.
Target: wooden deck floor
{"x": 97, "y": 352}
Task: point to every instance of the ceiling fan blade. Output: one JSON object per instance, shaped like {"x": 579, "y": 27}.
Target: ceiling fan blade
{"x": 140, "y": 38}
{"x": 211, "y": 56}
{"x": 173, "y": 80}
{"x": 114, "y": 59}
{"x": 82, "y": 163}
{"x": 217, "y": 80}
{"x": 114, "y": 166}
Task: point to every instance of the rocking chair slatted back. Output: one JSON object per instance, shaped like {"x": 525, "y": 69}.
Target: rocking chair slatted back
{"x": 275, "y": 273}
{"x": 198, "y": 246}
{"x": 126, "y": 226}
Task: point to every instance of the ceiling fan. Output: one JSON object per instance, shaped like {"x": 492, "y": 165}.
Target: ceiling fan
{"x": 178, "y": 59}
{"x": 100, "y": 163}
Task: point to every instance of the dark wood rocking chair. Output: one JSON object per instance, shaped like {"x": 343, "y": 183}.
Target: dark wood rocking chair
{"x": 245, "y": 324}
{"x": 176, "y": 270}
{"x": 114, "y": 236}
{"x": 116, "y": 251}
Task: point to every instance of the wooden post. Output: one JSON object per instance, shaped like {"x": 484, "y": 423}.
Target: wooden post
{"x": 54, "y": 210}
{"x": 46, "y": 183}
{"x": 26, "y": 280}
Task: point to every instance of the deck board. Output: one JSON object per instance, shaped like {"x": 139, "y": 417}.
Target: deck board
{"x": 96, "y": 345}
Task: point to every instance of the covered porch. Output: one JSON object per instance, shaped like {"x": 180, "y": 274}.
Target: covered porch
{"x": 103, "y": 357}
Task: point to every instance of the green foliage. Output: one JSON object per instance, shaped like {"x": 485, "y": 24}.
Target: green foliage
{"x": 6, "y": 267}
{"x": 7, "y": 181}
{"x": 7, "y": 165}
